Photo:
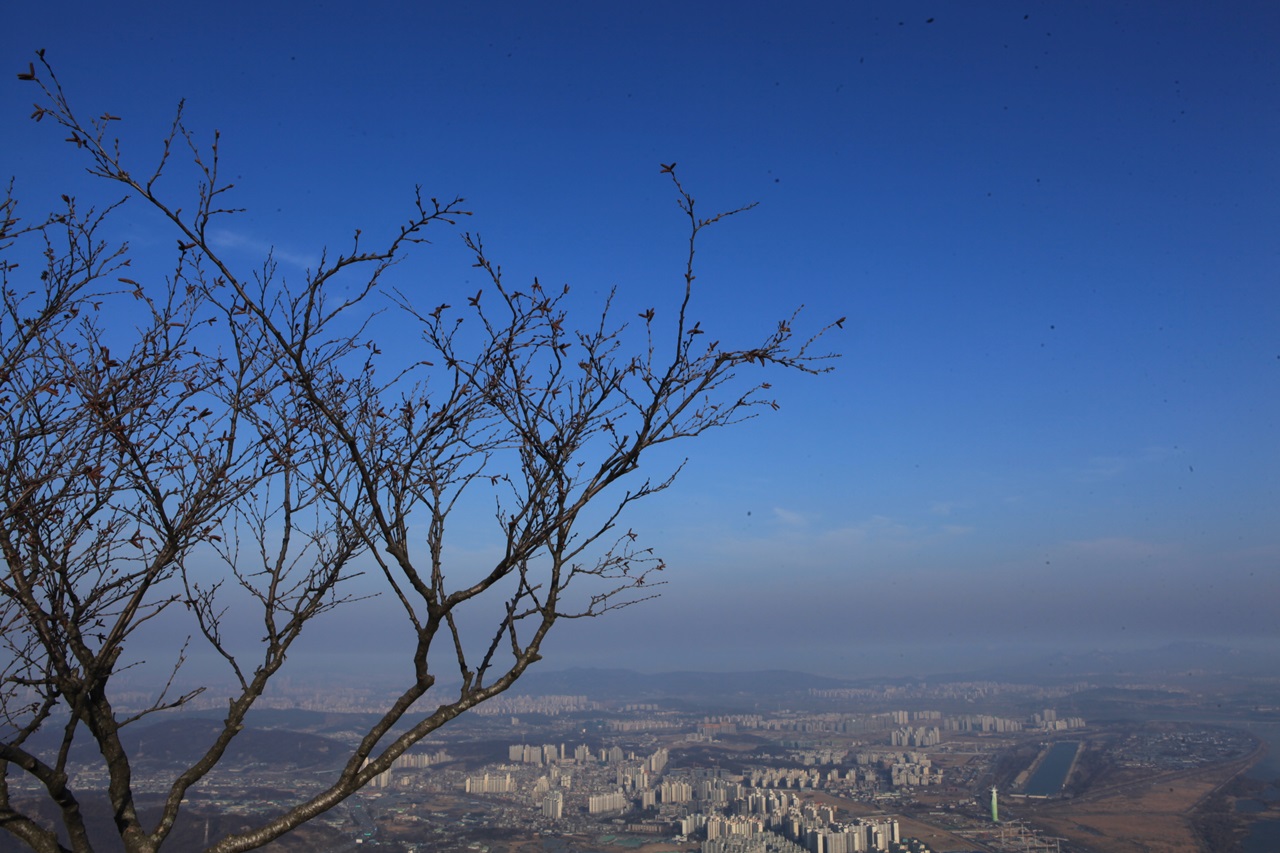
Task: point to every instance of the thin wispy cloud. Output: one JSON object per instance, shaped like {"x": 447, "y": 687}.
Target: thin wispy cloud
{"x": 233, "y": 241}
{"x": 1109, "y": 467}
{"x": 1120, "y": 547}
{"x": 789, "y": 518}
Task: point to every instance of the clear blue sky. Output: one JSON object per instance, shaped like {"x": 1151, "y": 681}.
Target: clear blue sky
{"x": 1053, "y": 228}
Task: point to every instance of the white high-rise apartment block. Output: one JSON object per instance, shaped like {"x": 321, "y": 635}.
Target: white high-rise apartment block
{"x": 553, "y": 805}
{"x": 600, "y": 803}
{"x": 487, "y": 784}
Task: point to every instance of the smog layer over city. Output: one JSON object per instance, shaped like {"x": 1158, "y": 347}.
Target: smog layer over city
{"x": 586, "y": 427}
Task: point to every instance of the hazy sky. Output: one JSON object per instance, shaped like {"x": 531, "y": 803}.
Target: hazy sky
{"x": 1052, "y": 226}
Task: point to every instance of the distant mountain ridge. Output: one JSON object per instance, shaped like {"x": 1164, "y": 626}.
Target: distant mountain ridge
{"x": 1190, "y": 658}
{"x": 625, "y": 683}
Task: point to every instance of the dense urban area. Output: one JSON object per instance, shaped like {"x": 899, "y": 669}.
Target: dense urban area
{"x": 755, "y": 762}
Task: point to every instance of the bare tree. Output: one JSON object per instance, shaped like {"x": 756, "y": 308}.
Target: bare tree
{"x": 244, "y": 420}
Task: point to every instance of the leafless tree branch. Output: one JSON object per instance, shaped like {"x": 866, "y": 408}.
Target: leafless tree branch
{"x": 241, "y": 441}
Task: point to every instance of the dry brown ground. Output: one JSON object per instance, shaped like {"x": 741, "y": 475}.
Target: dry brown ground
{"x": 534, "y": 845}
{"x": 936, "y": 837}
{"x": 1141, "y": 817}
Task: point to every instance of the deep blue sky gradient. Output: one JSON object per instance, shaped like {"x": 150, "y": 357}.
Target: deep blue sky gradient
{"x": 1052, "y": 226}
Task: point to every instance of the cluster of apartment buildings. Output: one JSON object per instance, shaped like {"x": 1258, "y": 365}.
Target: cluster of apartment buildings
{"x": 916, "y": 736}
{"x": 860, "y": 724}
{"x": 521, "y": 704}
{"x": 1050, "y": 722}
{"x": 756, "y": 809}
{"x": 410, "y": 760}
{"x": 550, "y": 754}
{"x": 803, "y": 827}
{"x": 725, "y": 809}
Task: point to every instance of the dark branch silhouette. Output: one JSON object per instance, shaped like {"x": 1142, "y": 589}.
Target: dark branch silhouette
{"x": 246, "y": 420}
